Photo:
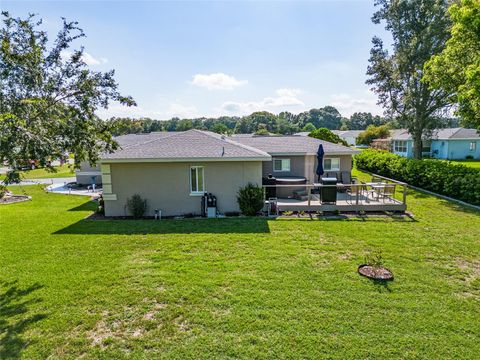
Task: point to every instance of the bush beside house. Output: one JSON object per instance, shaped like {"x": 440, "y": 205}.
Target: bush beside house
{"x": 137, "y": 206}
{"x": 250, "y": 199}
{"x": 457, "y": 181}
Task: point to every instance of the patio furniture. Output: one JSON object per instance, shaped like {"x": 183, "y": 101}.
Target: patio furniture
{"x": 376, "y": 188}
{"x": 388, "y": 192}
{"x": 346, "y": 178}
{"x": 329, "y": 190}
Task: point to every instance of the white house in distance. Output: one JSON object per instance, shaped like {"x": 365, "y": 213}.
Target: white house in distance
{"x": 350, "y": 136}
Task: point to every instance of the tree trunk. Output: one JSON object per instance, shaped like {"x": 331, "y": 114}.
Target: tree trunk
{"x": 417, "y": 144}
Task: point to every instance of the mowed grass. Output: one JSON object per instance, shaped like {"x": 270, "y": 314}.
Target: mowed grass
{"x": 236, "y": 288}
{"x": 42, "y": 173}
{"x": 470, "y": 163}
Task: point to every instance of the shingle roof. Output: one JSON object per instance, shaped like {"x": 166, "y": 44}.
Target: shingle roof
{"x": 132, "y": 139}
{"x": 191, "y": 144}
{"x": 293, "y": 144}
{"x": 440, "y": 134}
{"x": 466, "y": 134}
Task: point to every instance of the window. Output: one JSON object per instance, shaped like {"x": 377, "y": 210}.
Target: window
{"x": 281, "y": 165}
{"x": 332, "y": 164}
{"x": 400, "y": 146}
{"x": 473, "y": 146}
{"x": 197, "y": 186}
{"x": 426, "y": 146}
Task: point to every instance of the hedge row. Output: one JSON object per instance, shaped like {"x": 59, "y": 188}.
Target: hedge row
{"x": 442, "y": 177}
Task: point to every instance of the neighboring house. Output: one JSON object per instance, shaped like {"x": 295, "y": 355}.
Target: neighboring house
{"x": 172, "y": 170}
{"x": 451, "y": 144}
{"x": 350, "y": 136}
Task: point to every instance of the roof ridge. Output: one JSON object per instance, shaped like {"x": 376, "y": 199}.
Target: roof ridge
{"x": 233, "y": 142}
{"x": 455, "y": 132}
{"x": 173, "y": 133}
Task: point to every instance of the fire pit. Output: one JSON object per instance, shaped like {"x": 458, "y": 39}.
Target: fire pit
{"x": 376, "y": 273}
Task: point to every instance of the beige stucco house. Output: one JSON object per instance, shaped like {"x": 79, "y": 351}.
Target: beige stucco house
{"x": 173, "y": 170}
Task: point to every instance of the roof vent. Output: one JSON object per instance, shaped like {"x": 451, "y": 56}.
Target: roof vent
{"x": 223, "y": 150}
{"x": 223, "y": 137}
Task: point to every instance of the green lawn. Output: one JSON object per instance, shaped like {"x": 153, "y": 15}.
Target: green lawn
{"x": 236, "y": 288}
{"x": 470, "y": 163}
{"x": 42, "y": 173}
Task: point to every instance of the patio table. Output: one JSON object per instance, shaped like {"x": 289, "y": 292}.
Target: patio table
{"x": 377, "y": 187}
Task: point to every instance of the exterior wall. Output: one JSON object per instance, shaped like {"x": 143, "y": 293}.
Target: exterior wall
{"x": 440, "y": 149}
{"x": 345, "y": 165}
{"x": 297, "y": 166}
{"x": 87, "y": 174}
{"x": 460, "y": 149}
{"x": 166, "y": 186}
{"x": 446, "y": 149}
{"x": 305, "y": 165}
{"x": 351, "y": 140}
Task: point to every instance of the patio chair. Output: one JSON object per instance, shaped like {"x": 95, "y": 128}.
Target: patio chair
{"x": 388, "y": 192}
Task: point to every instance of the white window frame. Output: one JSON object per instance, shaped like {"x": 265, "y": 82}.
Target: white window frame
{"x": 285, "y": 165}
{"x": 400, "y": 144}
{"x": 331, "y": 160}
{"x": 192, "y": 191}
{"x": 473, "y": 146}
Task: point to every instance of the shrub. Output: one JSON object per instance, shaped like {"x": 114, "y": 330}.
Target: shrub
{"x": 101, "y": 206}
{"x": 3, "y": 191}
{"x": 442, "y": 177}
{"x": 327, "y": 135}
{"x": 250, "y": 199}
{"x": 373, "y": 133}
{"x": 137, "y": 206}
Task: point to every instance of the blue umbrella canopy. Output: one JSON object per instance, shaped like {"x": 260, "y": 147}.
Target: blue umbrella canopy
{"x": 319, "y": 170}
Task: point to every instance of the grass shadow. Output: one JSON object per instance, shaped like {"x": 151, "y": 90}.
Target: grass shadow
{"x": 382, "y": 285}
{"x": 16, "y": 317}
{"x": 88, "y": 206}
{"x": 184, "y": 226}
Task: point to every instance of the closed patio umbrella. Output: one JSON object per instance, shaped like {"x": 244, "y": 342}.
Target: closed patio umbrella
{"x": 319, "y": 169}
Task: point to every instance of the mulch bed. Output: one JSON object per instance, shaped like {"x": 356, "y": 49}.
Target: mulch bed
{"x": 376, "y": 273}
{"x": 12, "y": 199}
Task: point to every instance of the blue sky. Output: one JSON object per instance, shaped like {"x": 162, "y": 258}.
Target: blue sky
{"x": 192, "y": 59}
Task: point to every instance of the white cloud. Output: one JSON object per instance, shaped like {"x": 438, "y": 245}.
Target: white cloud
{"x": 87, "y": 58}
{"x": 217, "y": 81}
{"x": 348, "y": 104}
{"x": 284, "y": 98}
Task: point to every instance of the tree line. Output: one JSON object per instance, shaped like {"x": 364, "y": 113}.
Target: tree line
{"x": 261, "y": 122}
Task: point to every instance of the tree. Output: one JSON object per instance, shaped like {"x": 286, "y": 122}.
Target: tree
{"x": 372, "y": 133}
{"x": 48, "y": 97}
{"x": 361, "y": 120}
{"x": 327, "y": 117}
{"x": 419, "y": 30}
{"x": 457, "y": 68}
{"x": 220, "y": 128}
{"x": 327, "y": 135}
{"x": 309, "y": 127}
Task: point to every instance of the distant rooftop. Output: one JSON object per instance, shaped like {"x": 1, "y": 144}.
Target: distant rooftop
{"x": 440, "y": 134}
{"x": 292, "y": 144}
